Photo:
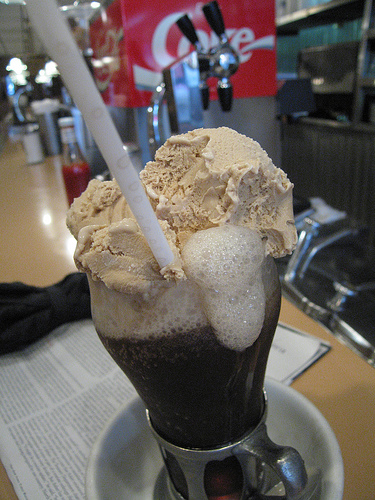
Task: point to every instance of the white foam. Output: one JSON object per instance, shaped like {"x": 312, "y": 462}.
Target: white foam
{"x": 224, "y": 289}
{"x": 226, "y": 263}
{"x": 172, "y": 309}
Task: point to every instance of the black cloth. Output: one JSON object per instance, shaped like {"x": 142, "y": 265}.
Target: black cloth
{"x": 28, "y": 313}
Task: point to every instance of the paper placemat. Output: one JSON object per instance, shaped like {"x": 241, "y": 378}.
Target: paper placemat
{"x": 292, "y": 352}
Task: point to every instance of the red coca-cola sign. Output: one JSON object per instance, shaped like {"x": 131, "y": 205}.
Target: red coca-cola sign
{"x": 134, "y": 41}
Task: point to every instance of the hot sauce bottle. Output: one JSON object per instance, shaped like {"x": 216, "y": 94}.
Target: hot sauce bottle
{"x": 76, "y": 170}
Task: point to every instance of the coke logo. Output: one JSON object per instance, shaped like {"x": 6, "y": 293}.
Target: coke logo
{"x": 242, "y": 40}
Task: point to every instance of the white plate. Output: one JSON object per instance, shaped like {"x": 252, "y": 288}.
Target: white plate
{"x": 125, "y": 460}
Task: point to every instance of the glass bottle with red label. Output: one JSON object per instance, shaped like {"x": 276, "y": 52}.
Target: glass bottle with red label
{"x": 76, "y": 170}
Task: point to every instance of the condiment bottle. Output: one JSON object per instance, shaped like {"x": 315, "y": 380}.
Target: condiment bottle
{"x": 76, "y": 170}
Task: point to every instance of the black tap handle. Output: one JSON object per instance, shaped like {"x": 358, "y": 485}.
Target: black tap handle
{"x": 187, "y": 29}
{"x": 205, "y": 93}
{"x": 225, "y": 93}
{"x": 204, "y": 64}
{"x": 214, "y": 17}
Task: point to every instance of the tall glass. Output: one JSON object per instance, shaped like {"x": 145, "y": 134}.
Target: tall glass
{"x": 199, "y": 393}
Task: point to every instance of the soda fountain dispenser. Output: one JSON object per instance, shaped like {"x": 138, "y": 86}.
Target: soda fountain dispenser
{"x": 184, "y": 85}
{"x": 169, "y": 54}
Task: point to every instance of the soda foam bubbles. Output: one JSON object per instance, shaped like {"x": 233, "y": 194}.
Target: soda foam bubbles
{"x": 226, "y": 264}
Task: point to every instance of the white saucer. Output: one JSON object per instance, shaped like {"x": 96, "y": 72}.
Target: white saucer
{"x": 125, "y": 460}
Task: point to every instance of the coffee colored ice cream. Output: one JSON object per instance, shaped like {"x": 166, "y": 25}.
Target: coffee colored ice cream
{"x": 194, "y": 336}
{"x": 210, "y": 177}
{"x": 202, "y": 179}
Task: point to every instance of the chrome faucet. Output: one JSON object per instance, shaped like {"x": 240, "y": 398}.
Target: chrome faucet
{"x": 220, "y": 62}
{"x": 223, "y": 59}
{"x": 310, "y": 229}
{"x": 344, "y": 291}
{"x": 309, "y": 244}
{"x": 343, "y": 307}
{"x": 187, "y": 29}
{"x": 184, "y": 86}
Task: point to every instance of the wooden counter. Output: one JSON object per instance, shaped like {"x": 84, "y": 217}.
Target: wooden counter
{"x": 37, "y": 249}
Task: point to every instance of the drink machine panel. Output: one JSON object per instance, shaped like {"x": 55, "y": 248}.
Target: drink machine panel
{"x": 134, "y": 42}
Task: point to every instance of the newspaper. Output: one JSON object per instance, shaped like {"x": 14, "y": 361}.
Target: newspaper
{"x": 292, "y": 352}
{"x": 57, "y": 395}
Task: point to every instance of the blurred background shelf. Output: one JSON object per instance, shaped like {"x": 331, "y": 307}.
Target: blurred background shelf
{"x": 325, "y": 13}
{"x": 338, "y": 13}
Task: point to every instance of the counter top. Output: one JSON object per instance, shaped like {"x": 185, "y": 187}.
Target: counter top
{"x": 37, "y": 249}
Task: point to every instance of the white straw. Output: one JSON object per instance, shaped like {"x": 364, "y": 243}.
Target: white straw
{"x": 55, "y": 34}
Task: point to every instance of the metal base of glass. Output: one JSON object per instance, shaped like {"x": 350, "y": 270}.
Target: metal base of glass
{"x": 251, "y": 468}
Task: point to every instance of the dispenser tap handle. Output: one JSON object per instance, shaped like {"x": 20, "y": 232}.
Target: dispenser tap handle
{"x": 214, "y": 17}
{"x": 205, "y": 93}
{"x": 225, "y": 93}
{"x": 187, "y": 29}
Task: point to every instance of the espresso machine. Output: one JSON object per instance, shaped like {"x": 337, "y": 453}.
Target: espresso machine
{"x": 184, "y": 88}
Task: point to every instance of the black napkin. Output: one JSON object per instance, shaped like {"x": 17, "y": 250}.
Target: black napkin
{"x": 27, "y": 313}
